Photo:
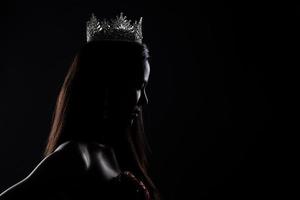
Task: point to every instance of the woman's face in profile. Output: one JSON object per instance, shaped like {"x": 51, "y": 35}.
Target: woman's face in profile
{"x": 126, "y": 93}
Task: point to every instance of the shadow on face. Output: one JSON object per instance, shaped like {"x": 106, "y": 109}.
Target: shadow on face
{"x": 112, "y": 77}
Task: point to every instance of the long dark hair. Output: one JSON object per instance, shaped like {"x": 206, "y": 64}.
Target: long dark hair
{"x": 67, "y": 124}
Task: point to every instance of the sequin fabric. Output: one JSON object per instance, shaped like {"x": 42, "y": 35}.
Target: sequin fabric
{"x": 131, "y": 186}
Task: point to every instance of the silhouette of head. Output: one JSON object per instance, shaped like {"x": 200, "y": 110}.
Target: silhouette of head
{"x": 110, "y": 82}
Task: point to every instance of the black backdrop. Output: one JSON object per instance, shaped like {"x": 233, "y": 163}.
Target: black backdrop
{"x": 213, "y": 113}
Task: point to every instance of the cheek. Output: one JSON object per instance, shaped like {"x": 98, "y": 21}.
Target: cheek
{"x": 138, "y": 96}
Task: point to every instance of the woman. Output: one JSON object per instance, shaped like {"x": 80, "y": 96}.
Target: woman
{"x": 97, "y": 146}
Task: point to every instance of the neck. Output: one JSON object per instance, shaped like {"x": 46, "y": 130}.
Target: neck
{"x": 118, "y": 139}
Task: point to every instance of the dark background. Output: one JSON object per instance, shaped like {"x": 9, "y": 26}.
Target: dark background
{"x": 214, "y": 117}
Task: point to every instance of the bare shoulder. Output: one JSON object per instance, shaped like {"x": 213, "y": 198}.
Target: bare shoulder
{"x": 66, "y": 160}
{"x": 70, "y": 164}
{"x": 61, "y": 167}
{"x": 87, "y": 157}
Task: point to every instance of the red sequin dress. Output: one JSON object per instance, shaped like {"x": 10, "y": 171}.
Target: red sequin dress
{"x": 129, "y": 186}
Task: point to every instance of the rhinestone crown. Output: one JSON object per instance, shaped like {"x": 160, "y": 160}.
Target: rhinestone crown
{"x": 115, "y": 29}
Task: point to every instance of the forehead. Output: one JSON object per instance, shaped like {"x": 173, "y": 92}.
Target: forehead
{"x": 126, "y": 62}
